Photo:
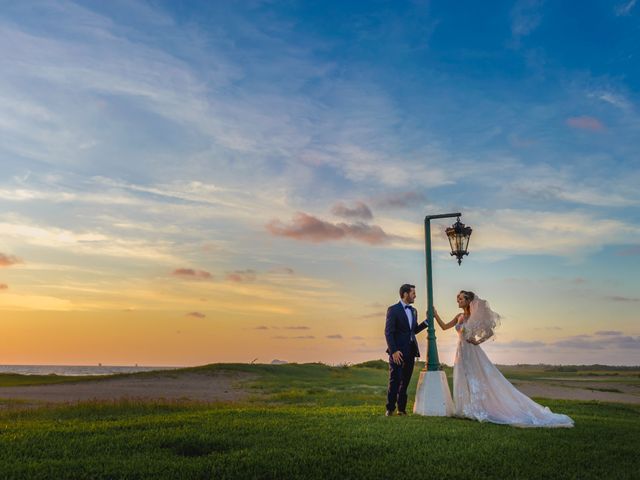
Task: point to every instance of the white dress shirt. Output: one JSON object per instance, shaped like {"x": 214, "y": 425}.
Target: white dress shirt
{"x": 409, "y": 313}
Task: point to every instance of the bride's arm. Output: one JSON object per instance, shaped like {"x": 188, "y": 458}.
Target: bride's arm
{"x": 445, "y": 326}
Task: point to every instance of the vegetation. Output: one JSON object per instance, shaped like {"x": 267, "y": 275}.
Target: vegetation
{"x": 308, "y": 421}
{"x": 15, "y": 380}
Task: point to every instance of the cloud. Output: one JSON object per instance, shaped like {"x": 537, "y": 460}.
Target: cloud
{"x": 624, "y": 9}
{"x": 285, "y": 270}
{"x": 190, "y": 273}
{"x": 359, "y": 210}
{"x": 550, "y": 189}
{"x": 362, "y": 163}
{"x": 544, "y": 232}
{"x": 241, "y": 276}
{"x": 309, "y": 228}
{"x": 8, "y": 260}
{"x": 618, "y": 298}
{"x": 634, "y": 250}
{"x": 261, "y": 327}
{"x": 525, "y": 18}
{"x": 306, "y": 227}
{"x": 601, "y": 340}
{"x": 297, "y": 328}
{"x": 585, "y": 123}
{"x": 196, "y": 314}
{"x": 4, "y": 286}
{"x": 88, "y": 242}
{"x": 612, "y": 98}
{"x": 400, "y": 200}
{"x": 627, "y": 342}
{"x": 335, "y": 337}
{"x": 299, "y": 337}
{"x": 591, "y": 186}
{"x": 376, "y": 305}
{"x": 521, "y": 344}
{"x": 579, "y": 343}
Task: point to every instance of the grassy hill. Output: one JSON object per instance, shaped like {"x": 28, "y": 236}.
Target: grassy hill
{"x": 309, "y": 421}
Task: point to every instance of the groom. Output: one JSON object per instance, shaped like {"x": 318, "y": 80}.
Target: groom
{"x": 400, "y": 331}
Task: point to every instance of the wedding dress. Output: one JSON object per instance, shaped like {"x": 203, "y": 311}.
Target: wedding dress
{"x": 480, "y": 391}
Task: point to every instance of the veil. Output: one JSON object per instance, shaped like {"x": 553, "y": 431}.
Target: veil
{"x": 482, "y": 322}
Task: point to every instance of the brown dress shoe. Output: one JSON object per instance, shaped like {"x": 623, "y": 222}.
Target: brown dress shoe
{"x": 402, "y": 413}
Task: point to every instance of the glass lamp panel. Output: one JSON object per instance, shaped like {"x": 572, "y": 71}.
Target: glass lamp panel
{"x": 466, "y": 242}
{"x": 452, "y": 241}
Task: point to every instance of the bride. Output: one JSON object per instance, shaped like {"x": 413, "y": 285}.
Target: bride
{"x": 480, "y": 391}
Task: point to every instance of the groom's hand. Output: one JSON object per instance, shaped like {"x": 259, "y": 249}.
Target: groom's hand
{"x": 397, "y": 357}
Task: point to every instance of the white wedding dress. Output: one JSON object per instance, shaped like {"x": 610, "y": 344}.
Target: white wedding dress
{"x": 482, "y": 393}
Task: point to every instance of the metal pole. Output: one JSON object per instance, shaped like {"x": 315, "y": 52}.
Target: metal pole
{"x": 433, "y": 362}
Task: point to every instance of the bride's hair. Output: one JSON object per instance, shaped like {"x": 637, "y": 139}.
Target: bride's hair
{"x": 468, "y": 295}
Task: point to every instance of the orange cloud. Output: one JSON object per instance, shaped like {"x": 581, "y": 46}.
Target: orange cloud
{"x": 196, "y": 314}
{"x": 309, "y": 228}
{"x": 192, "y": 274}
{"x": 3, "y": 286}
{"x": 8, "y": 260}
{"x": 241, "y": 276}
{"x": 585, "y": 123}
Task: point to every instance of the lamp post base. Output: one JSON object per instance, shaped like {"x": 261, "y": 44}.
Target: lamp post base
{"x": 433, "y": 397}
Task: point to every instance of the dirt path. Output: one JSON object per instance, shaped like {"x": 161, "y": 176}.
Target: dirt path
{"x": 225, "y": 387}
{"x": 576, "y": 391}
{"x": 221, "y": 386}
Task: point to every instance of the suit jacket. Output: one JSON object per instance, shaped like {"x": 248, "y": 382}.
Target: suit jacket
{"x": 398, "y": 333}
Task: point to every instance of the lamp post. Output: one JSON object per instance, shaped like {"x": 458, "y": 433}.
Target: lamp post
{"x": 433, "y": 396}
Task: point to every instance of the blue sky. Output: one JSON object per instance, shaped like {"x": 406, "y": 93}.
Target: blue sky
{"x": 187, "y": 168}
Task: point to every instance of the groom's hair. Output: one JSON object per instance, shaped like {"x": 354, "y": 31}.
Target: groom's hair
{"x": 406, "y": 288}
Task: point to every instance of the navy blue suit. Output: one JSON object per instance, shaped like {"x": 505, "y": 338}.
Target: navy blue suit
{"x": 400, "y": 336}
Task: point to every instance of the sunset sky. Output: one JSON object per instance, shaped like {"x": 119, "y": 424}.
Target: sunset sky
{"x": 195, "y": 182}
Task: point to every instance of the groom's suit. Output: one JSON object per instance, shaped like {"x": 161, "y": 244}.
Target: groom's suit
{"x": 401, "y": 335}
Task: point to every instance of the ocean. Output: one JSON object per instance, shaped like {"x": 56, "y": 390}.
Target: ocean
{"x": 76, "y": 369}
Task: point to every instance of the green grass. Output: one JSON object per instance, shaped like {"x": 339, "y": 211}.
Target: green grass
{"x": 309, "y": 421}
{"x": 17, "y": 380}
